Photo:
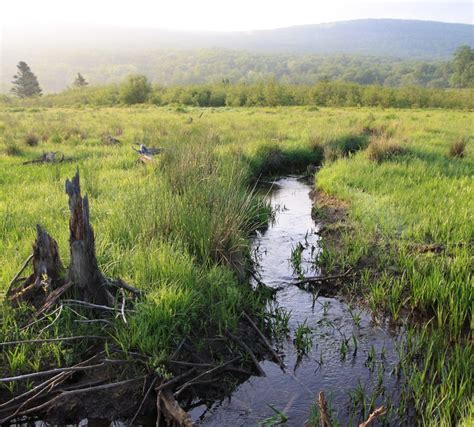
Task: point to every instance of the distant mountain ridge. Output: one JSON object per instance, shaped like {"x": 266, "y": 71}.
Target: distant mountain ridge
{"x": 387, "y": 37}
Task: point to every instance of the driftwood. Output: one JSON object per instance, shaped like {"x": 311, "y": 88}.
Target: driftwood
{"x": 373, "y": 416}
{"x": 49, "y": 157}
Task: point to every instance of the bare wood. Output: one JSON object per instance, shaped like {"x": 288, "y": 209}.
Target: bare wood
{"x": 248, "y": 351}
{"x": 73, "y": 392}
{"x": 323, "y": 410}
{"x": 17, "y": 275}
{"x": 119, "y": 283}
{"x": 174, "y": 412}
{"x": 210, "y": 371}
{"x": 373, "y": 416}
{"x": 265, "y": 341}
{"x": 88, "y": 304}
{"x": 59, "y": 370}
{"x": 84, "y": 271}
{"x": 37, "y": 341}
{"x": 322, "y": 278}
{"x": 175, "y": 379}
{"x": 47, "y": 271}
{"x": 52, "y": 298}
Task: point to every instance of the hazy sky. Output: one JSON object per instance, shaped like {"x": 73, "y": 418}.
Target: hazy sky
{"x": 224, "y": 15}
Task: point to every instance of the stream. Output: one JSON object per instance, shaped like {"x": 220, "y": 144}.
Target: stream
{"x": 351, "y": 358}
{"x": 348, "y": 356}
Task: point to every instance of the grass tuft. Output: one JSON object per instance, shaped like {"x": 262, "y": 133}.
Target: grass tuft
{"x": 458, "y": 148}
{"x": 31, "y": 140}
{"x": 381, "y": 149}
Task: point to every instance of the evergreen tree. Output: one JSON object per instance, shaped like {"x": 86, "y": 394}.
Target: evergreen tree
{"x": 80, "y": 81}
{"x": 25, "y": 83}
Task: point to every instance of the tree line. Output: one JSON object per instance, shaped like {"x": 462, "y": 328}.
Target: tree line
{"x": 199, "y": 66}
{"x": 137, "y": 89}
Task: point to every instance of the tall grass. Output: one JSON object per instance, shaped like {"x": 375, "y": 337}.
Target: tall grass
{"x": 180, "y": 228}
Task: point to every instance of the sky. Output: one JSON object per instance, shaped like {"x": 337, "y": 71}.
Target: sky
{"x": 222, "y": 15}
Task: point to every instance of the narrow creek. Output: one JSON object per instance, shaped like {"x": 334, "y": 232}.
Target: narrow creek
{"x": 351, "y": 358}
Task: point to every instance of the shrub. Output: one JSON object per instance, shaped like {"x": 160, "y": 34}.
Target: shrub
{"x": 135, "y": 90}
{"x": 32, "y": 140}
{"x": 458, "y": 147}
{"x": 384, "y": 149}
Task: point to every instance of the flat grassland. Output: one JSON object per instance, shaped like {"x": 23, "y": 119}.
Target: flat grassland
{"x": 179, "y": 227}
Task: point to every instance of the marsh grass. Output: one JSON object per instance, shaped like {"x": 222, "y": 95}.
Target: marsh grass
{"x": 458, "y": 148}
{"x": 381, "y": 149}
{"x": 180, "y": 229}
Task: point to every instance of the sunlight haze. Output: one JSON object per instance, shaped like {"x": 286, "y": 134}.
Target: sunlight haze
{"x": 215, "y": 15}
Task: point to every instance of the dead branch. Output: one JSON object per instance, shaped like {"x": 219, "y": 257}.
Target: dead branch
{"x": 175, "y": 379}
{"x": 248, "y": 351}
{"x": 265, "y": 341}
{"x": 17, "y": 275}
{"x": 73, "y": 392}
{"x": 317, "y": 279}
{"x": 373, "y": 416}
{"x": 172, "y": 411}
{"x": 150, "y": 388}
{"x": 119, "y": 283}
{"x": 38, "y": 341}
{"x": 323, "y": 410}
{"x": 210, "y": 371}
{"x": 59, "y": 370}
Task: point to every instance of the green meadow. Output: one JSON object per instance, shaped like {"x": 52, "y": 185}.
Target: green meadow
{"x": 180, "y": 228}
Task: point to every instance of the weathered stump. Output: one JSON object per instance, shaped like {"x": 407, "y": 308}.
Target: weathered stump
{"x": 47, "y": 273}
{"x": 84, "y": 273}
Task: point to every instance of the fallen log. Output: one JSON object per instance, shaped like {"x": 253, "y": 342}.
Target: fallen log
{"x": 49, "y": 157}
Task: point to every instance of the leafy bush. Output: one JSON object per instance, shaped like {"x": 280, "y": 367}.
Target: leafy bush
{"x": 135, "y": 90}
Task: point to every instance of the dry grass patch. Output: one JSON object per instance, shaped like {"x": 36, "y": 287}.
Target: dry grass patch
{"x": 381, "y": 149}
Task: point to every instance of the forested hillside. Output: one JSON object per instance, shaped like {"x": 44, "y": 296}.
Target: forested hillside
{"x": 385, "y": 52}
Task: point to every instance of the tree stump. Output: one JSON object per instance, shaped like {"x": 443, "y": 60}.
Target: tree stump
{"x": 83, "y": 271}
{"x": 47, "y": 273}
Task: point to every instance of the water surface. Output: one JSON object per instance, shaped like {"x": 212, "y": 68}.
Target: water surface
{"x": 334, "y": 364}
